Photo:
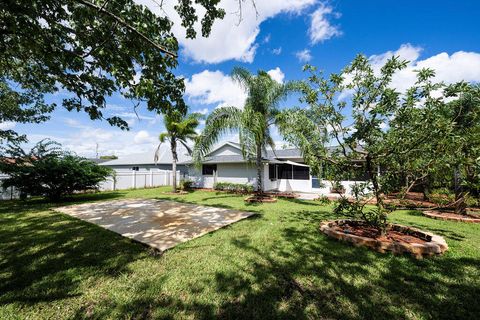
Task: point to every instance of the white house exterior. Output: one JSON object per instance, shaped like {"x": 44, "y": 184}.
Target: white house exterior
{"x": 283, "y": 170}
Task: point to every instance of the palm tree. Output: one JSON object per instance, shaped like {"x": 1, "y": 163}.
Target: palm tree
{"x": 253, "y": 122}
{"x": 180, "y": 129}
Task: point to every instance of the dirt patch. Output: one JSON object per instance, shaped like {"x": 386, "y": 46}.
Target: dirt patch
{"x": 397, "y": 239}
{"x": 450, "y": 216}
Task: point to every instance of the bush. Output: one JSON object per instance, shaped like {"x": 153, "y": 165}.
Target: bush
{"x": 186, "y": 184}
{"x": 472, "y": 201}
{"x": 442, "y": 196}
{"x": 48, "y": 171}
{"x": 233, "y": 187}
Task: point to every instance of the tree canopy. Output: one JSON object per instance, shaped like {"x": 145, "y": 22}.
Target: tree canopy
{"x": 90, "y": 48}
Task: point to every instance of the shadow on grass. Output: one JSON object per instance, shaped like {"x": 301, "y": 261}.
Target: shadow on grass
{"x": 46, "y": 255}
{"x": 302, "y": 275}
{"x": 318, "y": 277}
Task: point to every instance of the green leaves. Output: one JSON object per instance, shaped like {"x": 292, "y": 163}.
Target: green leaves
{"x": 90, "y": 48}
{"x": 46, "y": 170}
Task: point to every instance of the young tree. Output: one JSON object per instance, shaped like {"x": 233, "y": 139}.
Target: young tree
{"x": 463, "y": 140}
{"x": 48, "y": 171}
{"x": 253, "y": 122}
{"x": 359, "y": 125}
{"x": 181, "y": 128}
{"x": 90, "y": 48}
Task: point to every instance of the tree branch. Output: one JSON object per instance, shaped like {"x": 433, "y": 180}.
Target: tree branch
{"x": 128, "y": 26}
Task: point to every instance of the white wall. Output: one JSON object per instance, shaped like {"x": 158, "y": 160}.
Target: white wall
{"x": 226, "y": 172}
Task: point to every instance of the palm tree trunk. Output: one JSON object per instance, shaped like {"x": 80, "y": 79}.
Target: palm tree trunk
{"x": 259, "y": 169}
{"x": 173, "y": 145}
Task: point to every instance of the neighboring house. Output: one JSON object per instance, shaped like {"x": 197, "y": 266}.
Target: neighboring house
{"x": 145, "y": 161}
{"x": 283, "y": 170}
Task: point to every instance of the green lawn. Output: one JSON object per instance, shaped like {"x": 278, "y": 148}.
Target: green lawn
{"x": 273, "y": 265}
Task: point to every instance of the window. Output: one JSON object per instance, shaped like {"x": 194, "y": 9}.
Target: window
{"x": 272, "y": 172}
{"x": 209, "y": 169}
{"x": 135, "y": 168}
{"x": 301, "y": 173}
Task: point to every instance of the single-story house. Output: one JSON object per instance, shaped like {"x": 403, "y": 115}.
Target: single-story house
{"x": 283, "y": 170}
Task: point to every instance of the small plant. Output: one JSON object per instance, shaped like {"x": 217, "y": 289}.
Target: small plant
{"x": 337, "y": 187}
{"x": 323, "y": 200}
{"x": 186, "y": 184}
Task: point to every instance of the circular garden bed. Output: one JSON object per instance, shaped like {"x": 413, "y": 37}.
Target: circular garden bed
{"x": 260, "y": 198}
{"x": 398, "y": 239}
{"x": 450, "y": 216}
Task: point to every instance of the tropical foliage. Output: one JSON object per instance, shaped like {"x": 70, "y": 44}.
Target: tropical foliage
{"x": 90, "y": 48}
{"x": 253, "y": 123}
{"x": 47, "y": 170}
{"x": 180, "y": 128}
{"x": 375, "y": 128}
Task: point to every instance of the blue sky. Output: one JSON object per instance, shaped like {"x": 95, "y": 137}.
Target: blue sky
{"x": 286, "y": 34}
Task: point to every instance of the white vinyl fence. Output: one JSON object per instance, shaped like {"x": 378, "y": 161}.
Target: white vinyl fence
{"x": 124, "y": 179}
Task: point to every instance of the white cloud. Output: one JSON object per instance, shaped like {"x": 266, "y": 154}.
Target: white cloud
{"x": 277, "y": 51}
{"x": 214, "y": 87}
{"x": 7, "y": 125}
{"x": 320, "y": 27}
{"x": 452, "y": 68}
{"x": 277, "y": 74}
{"x": 83, "y": 141}
{"x": 203, "y": 111}
{"x": 143, "y": 136}
{"x": 229, "y": 39}
{"x": 303, "y": 56}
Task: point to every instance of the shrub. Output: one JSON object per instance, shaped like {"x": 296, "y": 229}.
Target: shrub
{"x": 442, "y": 196}
{"x": 48, "y": 171}
{"x": 233, "y": 187}
{"x": 323, "y": 200}
{"x": 471, "y": 201}
{"x": 186, "y": 184}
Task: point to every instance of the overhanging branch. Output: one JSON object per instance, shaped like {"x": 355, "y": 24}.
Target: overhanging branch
{"x": 128, "y": 26}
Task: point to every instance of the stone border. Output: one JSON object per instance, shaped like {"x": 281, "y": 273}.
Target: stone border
{"x": 255, "y": 199}
{"x": 440, "y": 216}
{"x": 436, "y": 245}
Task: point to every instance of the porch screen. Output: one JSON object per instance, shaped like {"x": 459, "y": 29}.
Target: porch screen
{"x": 272, "y": 172}
{"x": 301, "y": 173}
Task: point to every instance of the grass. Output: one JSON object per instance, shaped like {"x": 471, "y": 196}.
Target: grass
{"x": 273, "y": 265}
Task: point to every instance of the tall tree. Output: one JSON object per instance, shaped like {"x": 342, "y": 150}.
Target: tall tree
{"x": 253, "y": 123}
{"x": 180, "y": 128}
{"x": 90, "y": 48}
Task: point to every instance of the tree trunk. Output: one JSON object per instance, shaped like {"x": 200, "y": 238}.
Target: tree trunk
{"x": 259, "y": 169}
{"x": 373, "y": 174}
{"x": 460, "y": 205}
{"x": 174, "y": 164}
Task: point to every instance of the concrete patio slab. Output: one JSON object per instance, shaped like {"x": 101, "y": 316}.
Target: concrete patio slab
{"x": 160, "y": 224}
